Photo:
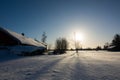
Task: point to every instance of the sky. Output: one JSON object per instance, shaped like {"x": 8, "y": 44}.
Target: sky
{"x": 97, "y": 20}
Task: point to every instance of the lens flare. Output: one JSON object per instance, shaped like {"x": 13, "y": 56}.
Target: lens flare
{"x": 79, "y": 37}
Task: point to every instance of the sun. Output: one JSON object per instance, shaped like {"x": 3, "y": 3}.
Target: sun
{"x": 79, "y": 37}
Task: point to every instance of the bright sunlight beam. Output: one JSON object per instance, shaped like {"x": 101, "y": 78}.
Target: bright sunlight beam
{"x": 79, "y": 37}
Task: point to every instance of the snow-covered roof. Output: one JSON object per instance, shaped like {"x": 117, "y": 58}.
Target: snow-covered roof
{"x": 22, "y": 39}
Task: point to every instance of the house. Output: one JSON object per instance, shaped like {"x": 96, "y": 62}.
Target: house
{"x": 13, "y": 39}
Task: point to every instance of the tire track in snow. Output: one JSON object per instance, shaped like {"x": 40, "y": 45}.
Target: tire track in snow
{"x": 70, "y": 66}
{"x": 89, "y": 67}
{"x": 48, "y": 69}
{"x": 64, "y": 70}
{"x": 27, "y": 67}
{"x": 79, "y": 70}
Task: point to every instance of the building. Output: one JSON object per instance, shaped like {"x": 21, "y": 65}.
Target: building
{"x": 10, "y": 38}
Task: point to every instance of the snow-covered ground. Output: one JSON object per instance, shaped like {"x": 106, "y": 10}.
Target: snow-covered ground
{"x": 85, "y": 65}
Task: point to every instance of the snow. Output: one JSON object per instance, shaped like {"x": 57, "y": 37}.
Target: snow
{"x": 85, "y": 65}
{"x": 25, "y": 40}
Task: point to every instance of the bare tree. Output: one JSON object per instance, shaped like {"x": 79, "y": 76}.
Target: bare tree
{"x": 61, "y": 45}
{"x": 98, "y": 48}
{"x": 78, "y": 45}
{"x": 106, "y": 46}
{"x": 44, "y": 37}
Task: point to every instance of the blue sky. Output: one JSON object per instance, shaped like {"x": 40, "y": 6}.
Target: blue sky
{"x": 98, "y": 20}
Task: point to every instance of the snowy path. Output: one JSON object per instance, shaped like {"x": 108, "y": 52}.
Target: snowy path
{"x": 86, "y": 65}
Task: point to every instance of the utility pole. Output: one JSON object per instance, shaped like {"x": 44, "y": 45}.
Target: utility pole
{"x": 75, "y": 42}
{"x": 75, "y": 39}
